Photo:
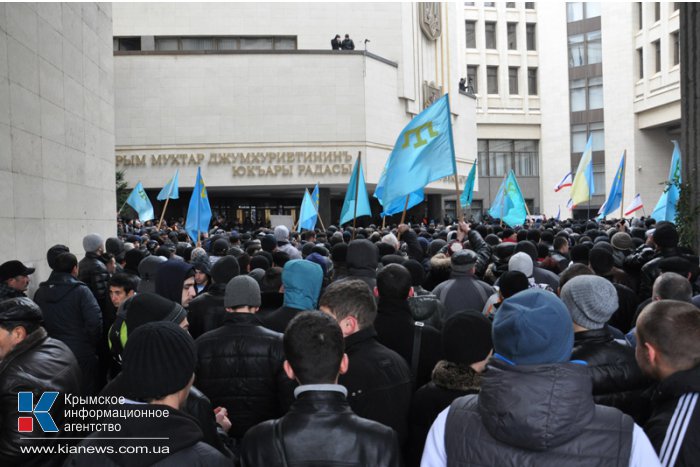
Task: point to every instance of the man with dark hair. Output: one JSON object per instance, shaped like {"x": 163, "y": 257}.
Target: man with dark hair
{"x": 561, "y": 252}
{"x": 668, "y": 350}
{"x": 240, "y": 362}
{"x": 416, "y": 342}
{"x": 14, "y": 279}
{"x": 30, "y": 361}
{"x": 320, "y": 421}
{"x": 72, "y": 315}
{"x": 379, "y": 380}
{"x": 121, "y": 287}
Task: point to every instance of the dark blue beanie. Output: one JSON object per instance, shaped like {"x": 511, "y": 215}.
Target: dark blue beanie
{"x": 533, "y": 327}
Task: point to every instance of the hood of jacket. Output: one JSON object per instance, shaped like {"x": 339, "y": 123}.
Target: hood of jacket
{"x": 362, "y": 258}
{"x": 535, "y": 407}
{"x": 302, "y": 282}
{"x": 58, "y": 286}
{"x": 170, "y": 277}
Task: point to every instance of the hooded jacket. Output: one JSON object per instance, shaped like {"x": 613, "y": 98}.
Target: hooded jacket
{"x": 302, "y": 282}
{"x": 71, "y": 313}
{"x": 536, "y": 415}
{"x": 362, "y": 259}
{"x": 170, "y": 277}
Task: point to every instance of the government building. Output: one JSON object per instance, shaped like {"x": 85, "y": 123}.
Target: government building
{"x": 254, "y": 95}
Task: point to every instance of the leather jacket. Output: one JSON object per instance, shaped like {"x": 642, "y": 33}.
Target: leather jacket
{"x": 93, "y": 272}
{"x": 206, "y": 312}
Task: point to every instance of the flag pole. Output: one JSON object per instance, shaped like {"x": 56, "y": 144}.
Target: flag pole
{"x": 318, "y": 216}
{"x": 403, "y": 215}
{"x": 357, "y": 188}
{"x": 624, "y": 173}
{"x": 163, "y": 213}
{"x": 458, "y": 203}
{"x": 120, "y": 209}
{"x": 383, "y": 222}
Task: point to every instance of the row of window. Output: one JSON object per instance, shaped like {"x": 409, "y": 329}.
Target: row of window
{"x": 586, "y": 94}
{"x": 585, "y": 49}
{"x": 209, "y": 43}
{"x": 528, "y": 5}
{"x": 498, "y": 156}
{"x": 656, "y": 48}
{"x": 490, "y": 36}
{"x": 576, "y": 11}
{"x": 657, "y": 12}
{"x": 492, "y": 79}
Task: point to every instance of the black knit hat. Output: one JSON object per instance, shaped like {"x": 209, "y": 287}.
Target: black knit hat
{"x": 159, "y": 360}
{"x": 466, "y": 337}
{"x": 225, "y": 269}
{"x": 147, "y": 307}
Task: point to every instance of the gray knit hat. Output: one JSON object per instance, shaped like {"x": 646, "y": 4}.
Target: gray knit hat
{"x": 92, "y": 242}
{"x": 591, "y": 300}
{"x": 242, "y": 291}
{"x": 622, "y": 241}
{"x": 521, "y": 262}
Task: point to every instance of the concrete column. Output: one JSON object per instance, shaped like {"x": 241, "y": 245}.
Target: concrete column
{"x": 435, "y": 207}
{"x": 690, "y": 111}
{"x": 324, "y": 206}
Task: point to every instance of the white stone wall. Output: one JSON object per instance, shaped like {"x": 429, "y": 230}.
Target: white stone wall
{"x": 56, "y": 128}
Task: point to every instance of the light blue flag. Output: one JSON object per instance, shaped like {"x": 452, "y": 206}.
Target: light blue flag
{"x": 315, "y": 197}
{"x": 468, "y": 193}
{"x": 140, "y": 202}
{"x": 497, "y": 207}
{"x": 355, "y": 194}
{"x": 614, "y": 200}
{"x": 199, "y": 212}
{"x": 307, "y": 214}
{"x": 398, "y": 204}
{"x": 170, "y": 190}
{"x": 558, "y": 216}
{"x": 423, "y": 153}
{"x": 511, "y": 207}
{"x": 665, "y": 209}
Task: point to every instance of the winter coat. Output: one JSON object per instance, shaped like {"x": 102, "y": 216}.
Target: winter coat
{"x": 462, "y": 292}
{"x": 184, "y": 440}
{"x": 302, "y": 287}
{"x": 317, "y": 431}
{"x": 37, "y": 364}
{"x": 206, "y": 312}
{"x": 93, "y": 272}
{"x": 71, "y": 313}
{"x": 240, "y": 368}
{"x": 378, "y": 381}
{"x": 362, "y": 260}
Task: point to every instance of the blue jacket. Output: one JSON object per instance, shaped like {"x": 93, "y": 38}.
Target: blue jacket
{"x": 302, "y": 282}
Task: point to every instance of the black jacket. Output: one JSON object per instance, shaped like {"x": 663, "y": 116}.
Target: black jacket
{"x": 362, "y": 260}
{"x": 677, "y": 393}
{"x": 277, "y": 320}
{"x": 482, "y": 250}
{"x": 396, "y": 329}
{"x": 321, "y": 429}
{"x": 536, "y": 415}
{"x": 185, "y": 442}
{"x": 617, "y": 380}
{"x": 37, "y": 364}
{"x": 71, "y": 313}
{"x": 240, "y": 368}
{"x": 93, "y": 272}
{"x": 348, "y": 44}
{"x": 206, "y": 312}
{"x": 378, "y": 381}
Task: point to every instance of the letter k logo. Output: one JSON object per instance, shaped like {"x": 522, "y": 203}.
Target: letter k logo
{"x": 25, "y": 403}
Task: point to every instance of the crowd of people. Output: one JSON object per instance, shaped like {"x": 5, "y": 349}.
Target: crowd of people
{"x": 554, "y": 343}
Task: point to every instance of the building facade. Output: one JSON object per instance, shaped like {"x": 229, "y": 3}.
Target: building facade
{"x": 547, "y": 78}
{"x": 253, "y": 94}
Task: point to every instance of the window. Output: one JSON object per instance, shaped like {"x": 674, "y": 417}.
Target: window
{"x": 640, "y": 15}
{"x": 532, "y": 81}
{"x": 592, "y": 9}
{"x": 497, "y": 157}
{"x": 529, "y": 5}
{"x": 526, "y": 157}
{"x": 579, "y": 136}
{"x": 470, "y": 27}
{"x": 490, "y": 31}
{"x": 595, "y": 93}
{"x": 472, "y": 72}
{"x": 512, "y": 36}
{"x": 127, "y": 43}
{"x": 490, "y": 4}
{"x": 577, "y": 95}
{"x": 597, "y": 136}
{"x": 574, "y": 11}
{"x": 598, "y": 179}
{"x": 197, "y": 43}
{"x": 510, "y": 4}
{"x": 500, "y": 157}
{"x": 492, "y": 79}
{"x": 513, "y": 80}
{"x": 483, "y": 154}
{"x": 469, "y": 3}
{"x": 676, "y": 47}
{"x": 576, "y": 50}
{"x": 657, "y": 11}
{"x": 209, "y": 43}
{"x": 657, "y": 55}
{"x": 594, "y": 51}
{"x": 530, "y": 36}
{"x": 640, "y": 63}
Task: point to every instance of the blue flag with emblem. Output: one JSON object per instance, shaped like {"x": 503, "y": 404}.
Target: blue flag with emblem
{"x": 307, "y": 213}
{"x": 665, "y": 209}
{"x": 397, "y": 205}
{"x": 355, "y": 194}
{"x": 423, "y": 153}
{"x": 509, "y": 204}
{"x": 199, "y": 212}
{"x": 466, "y": 198}
{"x": 614, "y": 200}
{"x": 140, "y": 202}
{"x": 315, "y": 197}
{"x": 170, "y": 190}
